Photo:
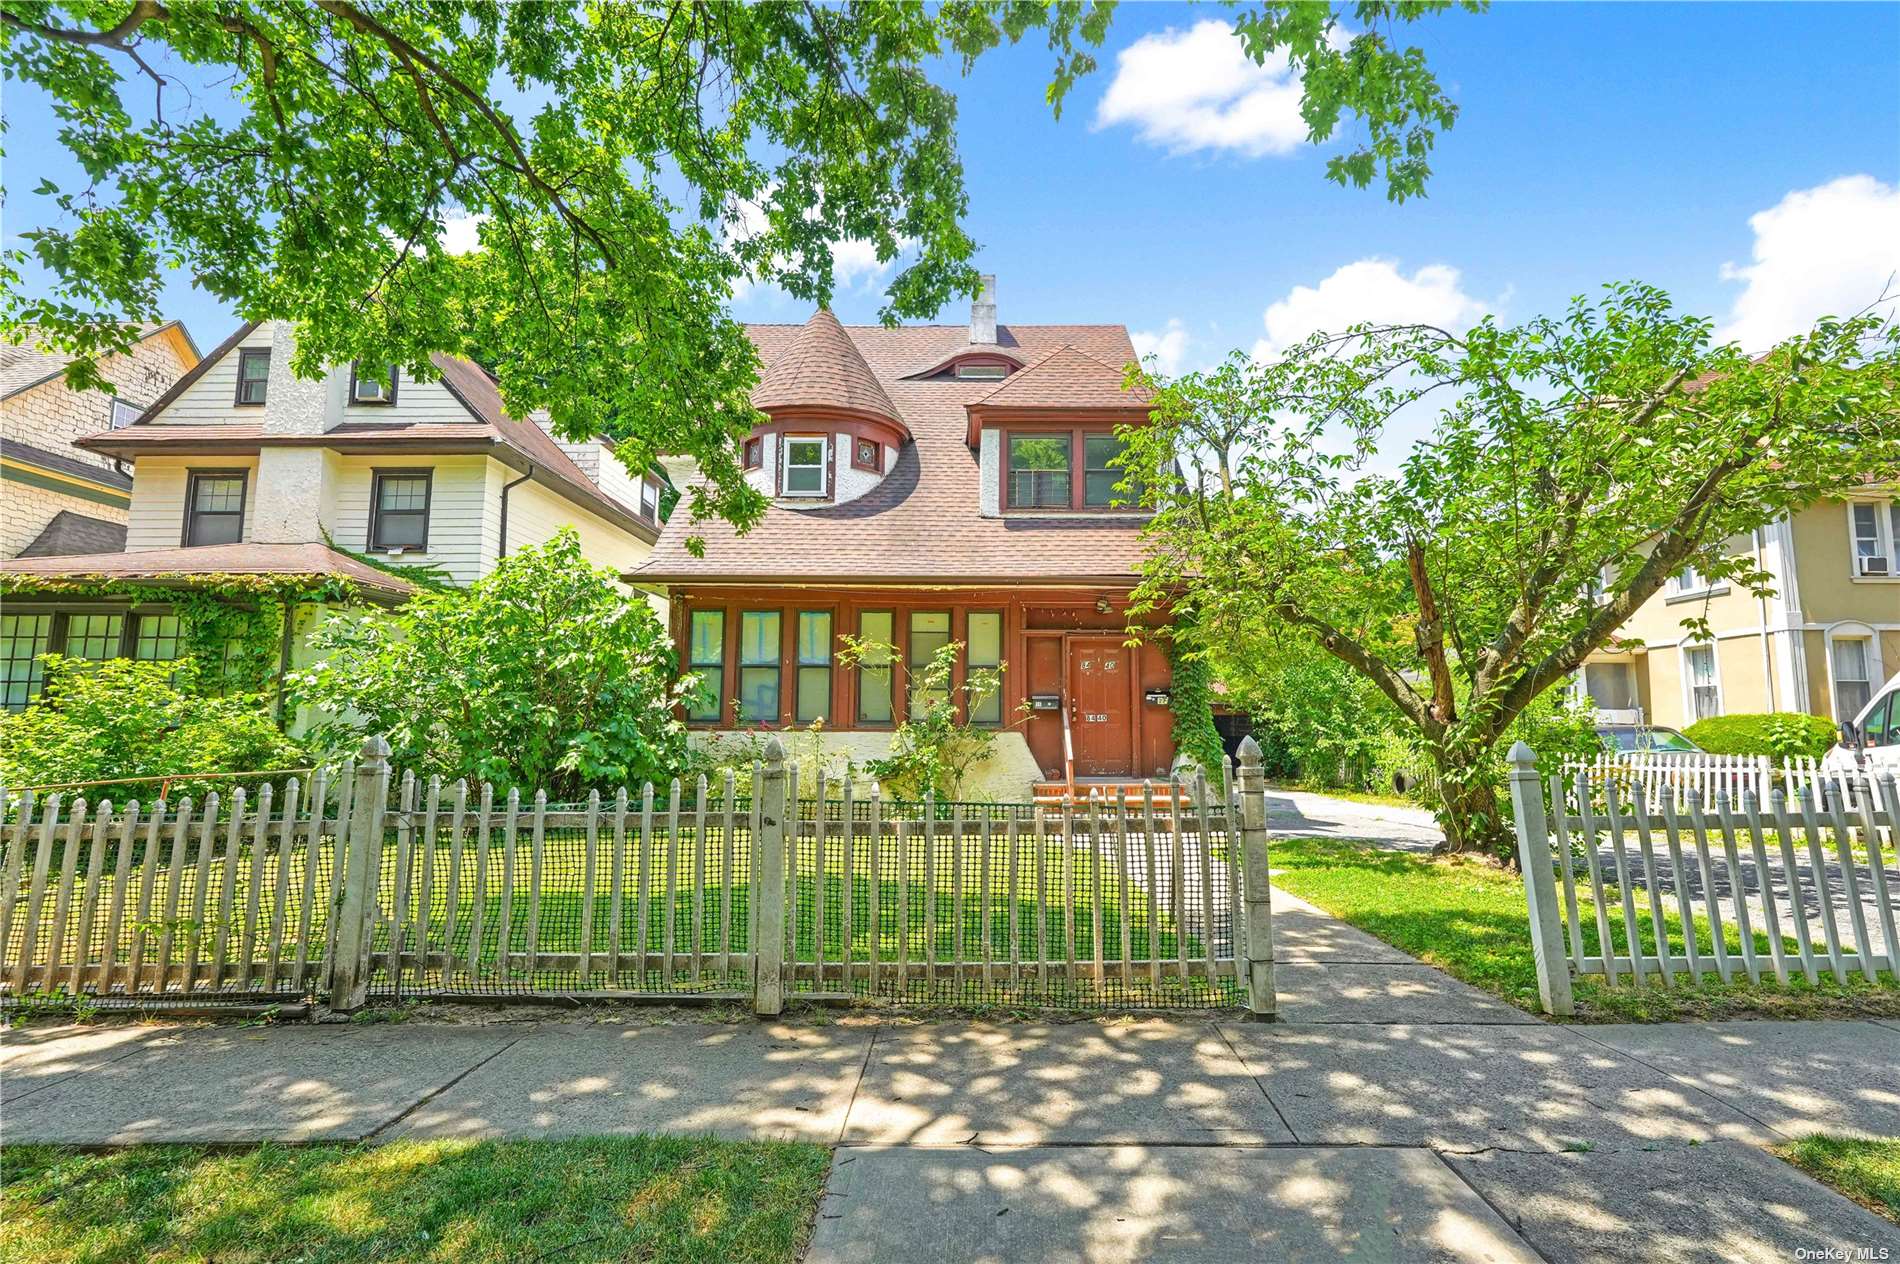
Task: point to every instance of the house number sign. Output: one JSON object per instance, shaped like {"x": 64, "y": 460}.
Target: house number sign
{"x": 1094, "y": 717}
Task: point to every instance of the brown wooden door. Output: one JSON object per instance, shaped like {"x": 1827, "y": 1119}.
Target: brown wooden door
{"x": 1100, "y": 716}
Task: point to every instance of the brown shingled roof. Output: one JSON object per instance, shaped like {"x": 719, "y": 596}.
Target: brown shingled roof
{"x": 1066, "y": 378}
{"x": 922, "y": 522}
{"x": 179, "y": 567}
{"x": 822, "y": 368}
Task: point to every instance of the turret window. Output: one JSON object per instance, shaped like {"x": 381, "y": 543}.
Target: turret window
{"x": 805, "y": 465}
{"x": 867, "y": 454}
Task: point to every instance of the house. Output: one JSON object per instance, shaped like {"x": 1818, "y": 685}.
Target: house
{"x": 930, "y": 484}
{"x": 248, "y": 480}
{"x": 1822, "y": 644}
{"x": 58, "y": 498}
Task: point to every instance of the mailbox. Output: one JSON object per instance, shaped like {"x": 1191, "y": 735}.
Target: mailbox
{"x": 1045, "y": 702}
{"x": 1158, "y": 697}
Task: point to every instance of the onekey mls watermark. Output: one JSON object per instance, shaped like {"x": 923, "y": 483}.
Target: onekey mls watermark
{"x": 1845, "y": 1254}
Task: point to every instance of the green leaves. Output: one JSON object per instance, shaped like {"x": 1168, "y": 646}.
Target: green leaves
{"x": 544, "y": 675}
{"x": 627, "y": 166}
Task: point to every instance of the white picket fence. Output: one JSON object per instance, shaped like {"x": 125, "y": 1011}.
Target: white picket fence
{"x": 1674, "y": 774}
{"x": 442, "y": 890}
{"x": 1733, "y": 886}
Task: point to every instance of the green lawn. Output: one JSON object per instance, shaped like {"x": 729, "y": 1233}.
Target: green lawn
{"x": 1468, "y": 918}
{"x": 676, "y": 1200}
{"x": 1382, "y": 798}
{"x": 1866, "y": 1171}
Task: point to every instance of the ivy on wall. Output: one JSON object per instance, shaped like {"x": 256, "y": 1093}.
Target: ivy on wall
{"x": 1191, "y": 699}
{"x": 231, "y": 625}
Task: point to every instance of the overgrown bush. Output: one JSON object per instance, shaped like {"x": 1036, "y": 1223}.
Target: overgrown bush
{"x": 124, "y": 718}
{"x": 1779, "y": 734}
{"x": 543, "y": 675}
{"x": 932, "y": 752}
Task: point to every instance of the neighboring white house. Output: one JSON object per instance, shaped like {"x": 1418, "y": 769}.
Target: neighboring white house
{"x": 242, "y": 468}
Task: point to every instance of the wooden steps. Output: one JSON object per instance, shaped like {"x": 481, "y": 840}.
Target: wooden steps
{"x": 1058, "y": 793}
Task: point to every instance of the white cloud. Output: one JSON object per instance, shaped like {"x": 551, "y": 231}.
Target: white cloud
{"x": 1825, "y": 251}
{"x": 1168, "y": 346}
{"x": 1370, "y": 290}
{"x": 461, "y": 233}
{"x": 854, "y": 261}
{"x": 1198, "y": 89}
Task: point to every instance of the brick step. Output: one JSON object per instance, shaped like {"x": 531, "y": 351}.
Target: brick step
{"x": 1057, "y": 792}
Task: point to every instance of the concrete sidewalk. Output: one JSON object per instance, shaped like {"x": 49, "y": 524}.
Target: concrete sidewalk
{"x": 1394, "y": 1115}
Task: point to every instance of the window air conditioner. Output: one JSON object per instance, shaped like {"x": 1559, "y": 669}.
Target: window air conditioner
{"x": 1875, "y": 566}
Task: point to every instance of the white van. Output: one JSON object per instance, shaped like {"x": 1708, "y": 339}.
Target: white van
{"x": 1871, "y": 740}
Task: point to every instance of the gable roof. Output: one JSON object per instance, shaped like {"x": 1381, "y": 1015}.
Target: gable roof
{"x": 822, "y": 369}
{"x": 69, "y": 533}
{"x": 922, "y": 522}
{"x": 520, "y": 444}
{"x": 1067, "y": 377}
{"x": 27, "y": 364}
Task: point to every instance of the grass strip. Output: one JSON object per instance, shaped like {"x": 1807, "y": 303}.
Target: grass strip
{"x": 670, "y": 1200}
{"x": 1866, "y": 1170}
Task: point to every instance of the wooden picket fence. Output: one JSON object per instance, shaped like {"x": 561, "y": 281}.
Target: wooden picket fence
{"x": 1729, "y": 887}
{"x": 359, "y": 889}
{"x": 1660, "y": 774}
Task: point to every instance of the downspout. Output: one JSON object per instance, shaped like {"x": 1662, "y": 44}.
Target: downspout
{"x": 1767, "y": 651}
{"x": 502, "y": 550}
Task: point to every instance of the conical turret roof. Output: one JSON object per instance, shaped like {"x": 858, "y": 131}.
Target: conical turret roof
{"x": 823, "y": 369}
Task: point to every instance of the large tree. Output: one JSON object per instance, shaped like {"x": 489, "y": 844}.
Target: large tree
{"x": 1576, "y": 462}
{"x": 626, "y": 163}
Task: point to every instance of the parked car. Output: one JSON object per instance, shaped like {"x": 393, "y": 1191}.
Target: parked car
{"x": 1871, "y": 740}
{"x": 1645, "y": 738}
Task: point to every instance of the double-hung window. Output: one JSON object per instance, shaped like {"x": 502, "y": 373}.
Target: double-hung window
{"x": 985, "y": 659}
{"x": 929, "y": 633}
{"x": 1876, "y": 527}
{"x": 1853, "y": 682}
{"x": 214, "y": 507}
{"x": 814, "y": 667}
{"x": 805, "y": 465}
{"x": 760, "y": 672}
{"x": 399, "y": 511}
{"x": 650, "y": 500}
{"x": 372, "y": 388}
{"x": 706, "y": 657}
{"x": 1705, "y": 694}
{"x": 1039, "y": 471}
{"x": 253, "y": 375}
{"x": 1099, "y": 476}
{"x": 877, "y": 638}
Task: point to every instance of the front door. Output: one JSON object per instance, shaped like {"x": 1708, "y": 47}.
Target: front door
{"x": 1100, "y": 714}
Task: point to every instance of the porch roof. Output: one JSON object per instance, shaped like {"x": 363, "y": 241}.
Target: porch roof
{"x": 193, "y": 567}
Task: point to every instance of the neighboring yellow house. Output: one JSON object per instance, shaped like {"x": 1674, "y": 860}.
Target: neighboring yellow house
{"x": 56, "y": 498}
{"x": 243, "y": 469}
{"x": 1822, "y": 644}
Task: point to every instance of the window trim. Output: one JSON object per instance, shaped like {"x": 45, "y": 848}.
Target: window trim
{"x": 1877, "y": 672}
{"x": 245, "y": 356}
{"x": 1674, "y": 591}
{"x": 389, "y": 402}
{"x": 427, "y": 474}
{"x": 192, "y": 479}
{"x": 1886, "y": 537}
{"x": 1078, "y": 436}
{"x": 825, "y": 466}
{"x": 876, "y": 464}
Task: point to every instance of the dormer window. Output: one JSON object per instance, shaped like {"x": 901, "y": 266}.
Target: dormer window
{"x": 371, "y": 390}
{"x": 804, "y": 465}
{"x": 650, "y": 500}
{"x": 867, "y": 454}
{"x": 980, "y": 372}
{"x": 253, "y": 376}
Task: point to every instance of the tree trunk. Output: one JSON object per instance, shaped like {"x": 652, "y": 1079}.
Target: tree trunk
{"x": 1470, "y": 809}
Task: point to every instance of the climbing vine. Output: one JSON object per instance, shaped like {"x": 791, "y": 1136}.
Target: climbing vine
{"x": 1191, "y": 699}
{"x": 230, "y": 625}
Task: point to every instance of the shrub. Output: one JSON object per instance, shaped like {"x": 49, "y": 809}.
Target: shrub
{"x": 1778, "y": 734}
{"x": 931, "y": 751}
{"x": 122, "y": 718}
{"x": 543, "y": 675}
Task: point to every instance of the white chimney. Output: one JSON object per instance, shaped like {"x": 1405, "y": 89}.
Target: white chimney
{"x": 983, "y": 314}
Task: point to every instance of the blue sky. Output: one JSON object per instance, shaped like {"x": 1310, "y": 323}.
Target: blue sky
{"x": 1744, "y": 157}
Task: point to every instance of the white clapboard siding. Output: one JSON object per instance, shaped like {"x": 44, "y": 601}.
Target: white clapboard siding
{"x": 156, "y": 519}
{"x": 458, "y": 494}
{"x": 535, "y": 513}
{"x": 212, "y": 399}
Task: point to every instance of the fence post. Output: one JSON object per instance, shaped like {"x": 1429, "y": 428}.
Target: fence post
{"x": 1262, "y": 1000}
{"x": 1540, "y": 885}
{"x": 768, "y": 885}
{"x": 356, "y": 884}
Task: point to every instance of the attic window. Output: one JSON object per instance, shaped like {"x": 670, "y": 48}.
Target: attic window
{"x": 650, "y": 500}
{"x": 867, "y": 454}
{"x": 804, "y": 465}
{"x": 982, "y": 372}
{"x": 253, "y": 376}
{"x": 372, "y": 390}
{"x": 124, "y": 413}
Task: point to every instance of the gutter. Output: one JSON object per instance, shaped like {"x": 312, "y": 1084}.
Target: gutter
{"x": 502, "y": 551}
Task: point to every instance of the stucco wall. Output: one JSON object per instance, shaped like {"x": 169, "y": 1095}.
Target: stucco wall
{"x": 1830, "y": 591}
{"x": 1007, "y": 774}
